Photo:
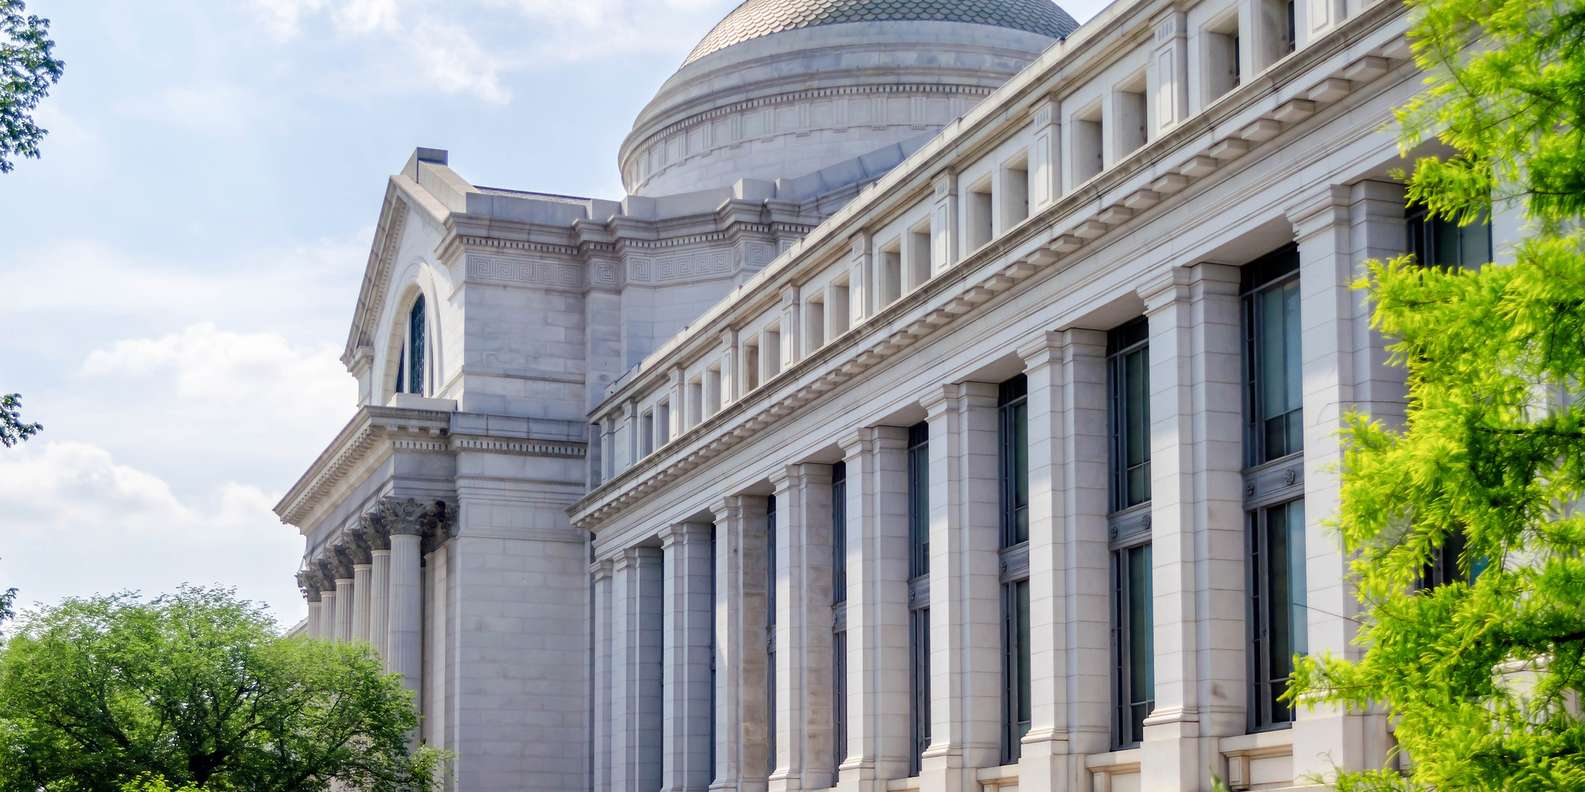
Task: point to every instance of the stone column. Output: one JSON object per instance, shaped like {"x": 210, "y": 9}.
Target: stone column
{"x": 688, "y": 604}
{"x": 600, "y": 573}
{"x": 362, "y": 569}
{"x": 741, "y": 753}
{"x": 636, "y": 592}
{"x": 877, "y": 608}
{"x": 310, "y": 588}
{"x": 344, "y": 591}
{"x": 1068, "y": 559}
{"x": 379, "y": 582}
{"x": 1197, "y": 525}
{"x": 327, "y": 600}
{"x": 803, "y": 627}
{"x": 791, "y": 327}
{"x": 965, "y": 592}
{"x": 1344, "y": 369}
{"x": 405, "y": 521}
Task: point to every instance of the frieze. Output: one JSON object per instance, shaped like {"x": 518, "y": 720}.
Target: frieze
{"x": 516, "y": 270}
{"x": 678, "y": 266}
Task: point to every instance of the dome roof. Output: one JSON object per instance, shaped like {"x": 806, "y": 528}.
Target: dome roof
{"x": 756, "y": 18}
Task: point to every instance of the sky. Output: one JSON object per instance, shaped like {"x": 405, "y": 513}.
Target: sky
{"x": 179, "y": 270}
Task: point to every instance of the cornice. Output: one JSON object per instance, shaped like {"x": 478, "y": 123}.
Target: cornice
{"x": 377, "y": 274}
{"x": 366, "y": 434}
{"x": 1079, "y": 219}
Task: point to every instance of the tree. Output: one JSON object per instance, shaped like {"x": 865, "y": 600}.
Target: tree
{"x": 28, "y": 67}
{"x": 1480, "y": 675}
{"x": 12, "y": 429}
{"x": 195, "y": 689}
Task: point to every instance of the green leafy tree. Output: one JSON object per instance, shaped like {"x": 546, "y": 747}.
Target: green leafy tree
{"x": 28, "y": 67}
{"x": 196, "y": 689}
{"x": 1481, "y": 675}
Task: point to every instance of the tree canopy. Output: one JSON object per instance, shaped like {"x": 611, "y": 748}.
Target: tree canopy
{"x": 196, "y": 689}
{"x": 28, "y": 67}
{"x": 1480, "y": 674}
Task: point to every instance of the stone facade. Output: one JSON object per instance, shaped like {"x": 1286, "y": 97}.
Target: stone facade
{"x": 811, "y": 464}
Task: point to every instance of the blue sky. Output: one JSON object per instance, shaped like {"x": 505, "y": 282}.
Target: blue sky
{"x": 180, "y": 267}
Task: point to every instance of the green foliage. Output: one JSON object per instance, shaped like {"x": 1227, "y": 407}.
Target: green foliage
{"x": 195, "y": 689}
{"x": 12, "y": 429}
{"x": 1481, "y": 677}
{"x": 149, "y": 782}
{"x": 28, "y": 67}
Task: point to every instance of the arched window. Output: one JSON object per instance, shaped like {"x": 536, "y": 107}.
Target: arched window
{"x": 410, "y": 366}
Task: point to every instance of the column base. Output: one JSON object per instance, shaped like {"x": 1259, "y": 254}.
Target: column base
{"x": 1046, "y": 764}
{"x": 943, "y": 770}
{"x": 1175, "y": 755}
{"x": 1328, "y": 740}
{"x": 859, "y": 776}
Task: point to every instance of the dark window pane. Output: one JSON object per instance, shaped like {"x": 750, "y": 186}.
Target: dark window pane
{"x": 919, "y": 500}
{"x": 415, "y": 346}
{"x": 839, "y": 541}
{"x": 1278, "y": 607}
{"x": 1128, "y": 382}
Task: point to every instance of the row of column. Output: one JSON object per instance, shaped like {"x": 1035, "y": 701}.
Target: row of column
{"x": 691, "y": 613}
{"x": 367, "y": 585}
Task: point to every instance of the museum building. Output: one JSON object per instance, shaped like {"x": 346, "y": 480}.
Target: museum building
{"x": 951, "y": 404}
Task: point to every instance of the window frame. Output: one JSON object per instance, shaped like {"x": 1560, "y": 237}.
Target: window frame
{"x": 1122, "y": 632}
{"x": 1275, "y": 270}
{"x": 1122, "y": 342}
{"x": 1258, "y": 575}
{"x": 1012, "y": 409}
{"x": 1420, "y": 227}
{"x": 770, "y": 631}
{"x": 839, "y": 623}
{"x": 918, "y": 455}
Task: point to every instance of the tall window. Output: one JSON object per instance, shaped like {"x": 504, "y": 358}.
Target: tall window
{"x": 410, "y": 369}
{"x": 1444, "y": 243}
{"x": 918, "y": 592}
{"x": 770, "y": 631}
{"x": 1132, "y": 642}
{"x": 1013, "y": 436}
{"x": 1277, "y": 608}
{"x": 1273, "y": 482}
{"x": 1128, "y": 402}
{"x": 839, "y": 620}
{"x": 1128, "y": 375}
{"x": 1275, "y": 414}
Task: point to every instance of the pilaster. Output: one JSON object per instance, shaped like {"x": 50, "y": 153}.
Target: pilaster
{"x": 1167, "y": 75}
{"x": 1196, "y": 524}
{"x": 860, "y": 294}
{"x": 877, "y": 609}
{"x": 803, "y": 627}
{"x": 1045, "y": 165}
{"x": 742, "y": 753}
{"x": 688, "y": 608}
{"x": 1068, "y": 558}
{"x": 1340, "y": 354}
{"x": 600, "y": 575}
{"x": 944, "y": 220}
{"x": 965, "y": 606}
{"x": 636, "y": 591}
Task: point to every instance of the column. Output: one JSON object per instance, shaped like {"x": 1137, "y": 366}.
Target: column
{"x": 636, "y": 592}
{"x": 379, "y": 538}
{"x": 803, "y": 627}
{"x": 731, "y": 384}
{"x": 965, "y": 593}
{"x": 741, "y": 753}
{"x": 327, "y": 600}
{"x": 688, "y": 602}
{"x": 362, "y": 569}
{"x": 1069, "y": 565}
{"x": 344, "y": 592}
{"x": 877, "y": 608}
{"x": 1197, "y": 525}
{"x": 600, "y": 574}
{"x": 1344, "y": 369}
{"x": 404, "y": 519}
{"x": 310, "y": 589}
{"x": 791, "y": 327}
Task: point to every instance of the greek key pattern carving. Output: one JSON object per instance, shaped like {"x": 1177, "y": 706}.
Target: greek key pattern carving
{"x": 679, "y": 265}
{"x": 511, "y": 269}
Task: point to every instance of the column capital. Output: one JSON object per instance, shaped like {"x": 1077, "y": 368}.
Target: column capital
{"x": 410, "y": 517}
{"x": 727, "y": 509}
{"x": 938, "y": 400}
{"x": 855, "y": 442}
{"x": 600, "y": 570}
{"x": 1164, "y": 288}
{"x": 359, "y": 543}
{"x": 1377, "y": 199}
{"x": 1318, "y": 211}
{"x": 341, "y": 552}
{"x": 327, "y": 574}
{"x": 683, "y": 532}
{"x": 944, "y": 184}
{"x": 375, "y": 532}
{"x": 1042, "y": 349}
{"x": 308, "y": 583}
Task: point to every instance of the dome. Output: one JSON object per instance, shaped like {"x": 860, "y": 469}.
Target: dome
{"x": 755, "y": 18}
{"x": 824, "y": 94}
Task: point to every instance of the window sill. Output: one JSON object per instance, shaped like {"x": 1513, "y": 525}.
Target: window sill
{"x": 1260, "y": 760}
{"x": 994, "y": 778}
{"x": 910, "y": 784}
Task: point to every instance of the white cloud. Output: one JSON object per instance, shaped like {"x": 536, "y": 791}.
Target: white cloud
{"x": 78, "y": 521}
{"x": 207, "y": 364}
{"x": 452, "y": 61}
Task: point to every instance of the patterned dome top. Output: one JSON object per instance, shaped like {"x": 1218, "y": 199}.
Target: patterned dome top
{"x": 756, "y": 18}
